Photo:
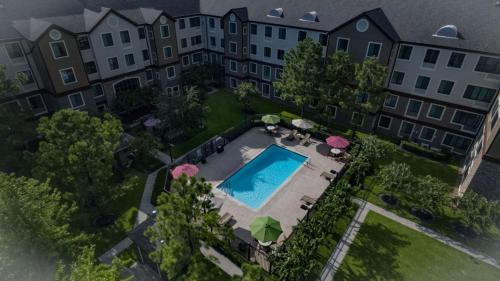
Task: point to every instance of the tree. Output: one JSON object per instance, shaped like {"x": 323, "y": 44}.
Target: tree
{"x": 145, "y": 147}
{"x": 77, "y": 154}
{"x": 375, "y": 149}
{"x": 181, "y": 224}
{"x": 194, "y": 109}
{"x": 429, "y": 193}
{"x": 302, "y": 74}
{"x": 131, "y": 100}
{"x": 395, "y": 177}
{"x": 253, "y": 272}
{"x": 478, "y": 213}
{"x": 34, "y": 227}
{"x": 244, "y": 92}
{"x": 87, "y": 268}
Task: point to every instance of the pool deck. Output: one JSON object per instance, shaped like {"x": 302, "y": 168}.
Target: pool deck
{"x": 284, "y": 204}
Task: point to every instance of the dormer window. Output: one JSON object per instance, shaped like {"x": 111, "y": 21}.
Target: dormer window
{"x": 310, "y": 16}
{"x": 449, "y": 31}
{"x": 276, "y": 13}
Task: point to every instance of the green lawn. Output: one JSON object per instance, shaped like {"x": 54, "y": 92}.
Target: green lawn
{"x": 386, "y": 250}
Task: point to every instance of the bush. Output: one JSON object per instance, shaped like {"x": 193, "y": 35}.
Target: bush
{"x": 425, "y": 152}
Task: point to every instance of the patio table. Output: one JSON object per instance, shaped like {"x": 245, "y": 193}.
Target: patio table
{"x": 335, "y": 151}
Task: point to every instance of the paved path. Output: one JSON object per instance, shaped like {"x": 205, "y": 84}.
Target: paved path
{"x": 146, "y": 208}
{"x": 140, "y": 272}
{"x": 116, "y": 250}
{"x": 221, "y": 261}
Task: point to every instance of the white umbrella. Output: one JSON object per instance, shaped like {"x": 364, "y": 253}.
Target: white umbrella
{"x": 302, "y": 123}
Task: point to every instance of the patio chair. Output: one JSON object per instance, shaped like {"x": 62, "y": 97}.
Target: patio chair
{"x": 306, "y": 139}
{"x": 329, "y": 176}
{"x": 292, "y": 135}
{"x": 308, "y": 200}
{"x": 224, "y": 219}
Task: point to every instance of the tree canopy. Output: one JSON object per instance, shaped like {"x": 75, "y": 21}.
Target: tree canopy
{"x": 244, "y": 92}
{"x": 395, "y": 177}
{"x": 478, "y": 213}
{"x": 429, "y": 193}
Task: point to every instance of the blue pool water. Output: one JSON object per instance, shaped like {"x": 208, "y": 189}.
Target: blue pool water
{"x": 258, "y": 179}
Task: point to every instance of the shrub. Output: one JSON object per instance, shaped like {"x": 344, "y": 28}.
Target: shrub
{"x": 395, "y": 177}
{"x": 426, "y": 152}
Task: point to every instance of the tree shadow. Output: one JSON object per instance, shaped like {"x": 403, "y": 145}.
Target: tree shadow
{"x": 374, "y": 255}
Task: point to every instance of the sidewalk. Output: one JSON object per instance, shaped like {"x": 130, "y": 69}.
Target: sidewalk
{"x": 221, "y": 261}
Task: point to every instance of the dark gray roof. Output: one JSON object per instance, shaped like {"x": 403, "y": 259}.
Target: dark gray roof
{"x": 174, "y": 8}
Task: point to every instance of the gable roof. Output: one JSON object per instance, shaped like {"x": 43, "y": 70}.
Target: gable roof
{"x": 241, "y": 13}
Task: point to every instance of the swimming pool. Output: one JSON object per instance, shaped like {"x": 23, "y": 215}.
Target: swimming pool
{"x": 255, "y": 182}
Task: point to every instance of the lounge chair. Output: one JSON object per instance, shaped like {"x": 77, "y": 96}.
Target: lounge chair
{"x": 329, "y": 176}
{"x": 292, "y": 135}
{"x": 306, "y": 139}
{"x": 308, "y": 200}
{"x": 224, "y": 219}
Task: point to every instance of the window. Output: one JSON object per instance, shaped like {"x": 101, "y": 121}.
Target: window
{"x": 468, "y": 120}
{"x": 253, "y": 49}
{"x": 185, "y": 60}
{"x": 233, "y": 48}
{"x": 405, "y": 52}
{"x": 488, "y": 65}
{"x": 280, "y": 54}
{"x": 422, "y": 82}
{"x": 211, "y": 22}
{"x": 302, "y": 35}
{"x": 391, "y": 101}
{"x": 196, "y": 40}
{"x": 373, "y": 50}
{"x": 107, "y": 39}
{"x": 27, "y": 76}
{"x": 413, "y": 108}
{"x": 98, "y": 90}
{"x": 170, "y": 72}
{"x": 167, "y": 52}
{"x": 164, "y": 31}
{"x": 253, "y": 68}
{"x": 212, "y": 41}
{"x": 113, "y": 63}
{"x": 427, "y": 134}
{"x": 90, "y": 67}
{"x": 362, "y": 98}
{"x": 182, "y": 24}
{"x": 37, "y": 104}
{"x": 385, "y": 122}
{"x": 357, "y": 119}
{"x": 431, "y": 56}
{"x": 145, "y": 54}
{"x": 184, "y": 43}
{"x": 76, "y": 100}
{"x": 194, "y": 22}
{"x": 267, "y": 52}
{"x": 83, "y": 43}
{"x": 196, "y": 58}
{"x": 14, "y": 50}
{"x": 406, "y": 129}
{"x": 125, "y": 37}
{"x": 142, "y": 32}
{"x": 232, "y": 28}
{"x": 68, "y": 76}
{"x": 342, "y": 44}
{"x": 233, "y": 66}
{"x": 222, "y": 45}
{"x": 278, "y": 73}
{"x": 266, "y": 72}
{"x": 457, "y": 142}
{"x": 456, "y": 60}
{"x": 268, "y": 32}
{"x": 479, "y": 93}
{"x": 445, "y": 87}
{"x": 282, "y": 33}
{"x": 253, "y": 29}
{"x": 58, "y": 49}
{"x": 435, "y": 111}
{"x": 323, "y": 39}
{"x": 397, "y": 77}
{"x": 129, "y": 59}
{"x": 232, "y": 83}
{"x": 266, "y": 90}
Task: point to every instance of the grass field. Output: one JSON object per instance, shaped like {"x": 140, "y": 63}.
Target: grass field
{"x": 386, "y": 250}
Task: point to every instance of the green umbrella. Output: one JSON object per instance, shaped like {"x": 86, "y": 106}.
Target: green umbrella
{"x": 270, "y": 119}
{"x": 265, "y": 229}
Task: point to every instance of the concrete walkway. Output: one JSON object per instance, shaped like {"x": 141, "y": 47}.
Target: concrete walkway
{"x": 221, "y": 261}
{"x": 146, "y": 208}
{"x": 115, "y": 251}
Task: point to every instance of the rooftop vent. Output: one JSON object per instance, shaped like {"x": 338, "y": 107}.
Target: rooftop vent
{"x": 448, "y": 31}
{"x": 276, "y": 13}
{"x": 310, "y": 16}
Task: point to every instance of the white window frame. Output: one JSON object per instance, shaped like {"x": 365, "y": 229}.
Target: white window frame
{"x": 451, "y": 147}
{"x": 401, "y": 126}
{"x": 423, "y": 65}
{"x": 103, "y": 93}
{"x": 74, "y": 74}
{"x": 270, "y": 73}
{"x": 22, "y": 51}
{"x": 419, "y": 109}
{"x": 71, "y": 103}
{"x": 262, "y": 90}
{"x": 171, "y": 51}
{"x": 52, "y": 49}
{"x": 390, "y": 122}
{"x": 250, "y": 70}
{"x": 452, "y": 88}
{"x": 461, "y": 125}
{"x": 161, "y": 33}
{"x": 429, "y": 111}
{"x": 28, "y": 101}
{"x": 362, "y": 119}
{"x": 433, "y": 134}
{"x": 268, "y": 39}
{"x": 337, "y": 43}
{"x": 235, "y": 27}
{"x": 102, "y": 39}
{"x": 392, "y": 75}
{"x": 411, "y": 54}
{"x": 420, "y": 91}
{"x": 397, "y": 101}
{"x": 125, "y": 58}
{"x": 463, "y": 62}
{"x": 368, "y": 48}
{"x": 264, "y": 52}
{"x": 109, "y": 65}
{"x": 125, "y": 45}
{"x": 231, "y": 66}
{"x": 166, "y": 71}
{"x": 236, "y": 47}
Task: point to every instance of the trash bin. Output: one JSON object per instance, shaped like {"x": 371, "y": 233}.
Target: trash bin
{"x": 220, "y": 148}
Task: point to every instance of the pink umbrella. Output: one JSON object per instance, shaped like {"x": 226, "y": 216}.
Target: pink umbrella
{"x": 188, "y": 169}
{"x": 337, "y": 142}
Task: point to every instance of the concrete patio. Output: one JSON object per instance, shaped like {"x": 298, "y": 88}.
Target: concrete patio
{"x": 284, "y": 204}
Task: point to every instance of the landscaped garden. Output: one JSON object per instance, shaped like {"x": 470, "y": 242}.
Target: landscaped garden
{"x": 387, "y": 250}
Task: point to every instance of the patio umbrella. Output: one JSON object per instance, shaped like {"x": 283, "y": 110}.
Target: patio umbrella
{"x": 188, "y": 169}
{"x": 337, "y": 142}
{"x": 302, "y": 123}
{"x": 270, "y": 119}
{"x": 265, "y": 229}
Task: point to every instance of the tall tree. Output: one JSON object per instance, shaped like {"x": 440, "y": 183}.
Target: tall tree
{"x": 77, "y": 154}
{"x": 244, "y": 92}
{"x": 478, "y": 213}
{"x": 194, "y": 109}
{"x": 302, "y": 74}
{"x": 430, "y": 194}
{"x": 395, "y": 177}
{"x": 145, "y": 147}
{"x": 34, "y": 227}
{"x": 87, "y": 268}
{"x": 182, "y": 222}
